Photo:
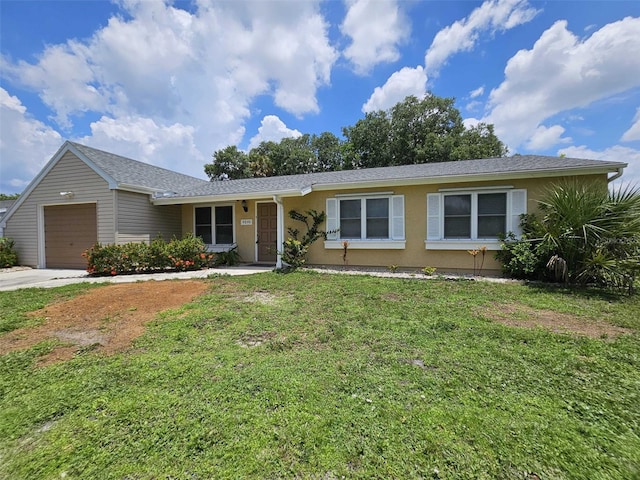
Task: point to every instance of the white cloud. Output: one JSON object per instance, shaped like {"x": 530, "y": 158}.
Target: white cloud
{"x": 26, "y": 144}
{"x": 182, "y": 81}
{"x": 478, "y": 92}
{"x": 470, "y": 122}
{"x": 473, "y": 105}
{"x": 562, "y": 72}
{"x": 64, "y": 78}
{"x": 544, "y": 138}
{"x": 145, "y": 140}
{"x": 376, "y": 28}
{"x": 272, "y": 129}
{"x": 405, "y": 82}
{"x": 616, "y": 153}
{"x": 634, "y": 131}
{"x": 463, "y": 35}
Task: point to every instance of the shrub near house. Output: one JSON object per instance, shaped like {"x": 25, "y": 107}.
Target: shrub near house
{"x": 585, "y": 234}
{"x": 188, "y": 253}
{"x": 8, "y": 256}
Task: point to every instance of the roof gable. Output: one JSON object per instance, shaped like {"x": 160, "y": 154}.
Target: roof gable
{"x": 120, "y": 173}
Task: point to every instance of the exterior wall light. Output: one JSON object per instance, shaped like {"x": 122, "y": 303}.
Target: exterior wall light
{"x": 245, "y": 207}
{"x": 67, "y": 194}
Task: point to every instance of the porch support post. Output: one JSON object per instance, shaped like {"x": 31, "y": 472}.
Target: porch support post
{"x": 280, "y": 233}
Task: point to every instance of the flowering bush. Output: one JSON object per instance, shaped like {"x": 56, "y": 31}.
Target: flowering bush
{"x": 188, "y": 253}
{"x": 8, "y": 256}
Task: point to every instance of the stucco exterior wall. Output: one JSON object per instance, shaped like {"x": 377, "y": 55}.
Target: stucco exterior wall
{"x": 245, "y": 235}
{"x": 69, "y": 174}
{"x": 415, "y": 255}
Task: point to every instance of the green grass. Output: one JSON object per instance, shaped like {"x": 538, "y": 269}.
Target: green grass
{"x": 321, "y": 376}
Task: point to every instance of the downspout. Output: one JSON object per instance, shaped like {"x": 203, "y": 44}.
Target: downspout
{"x": 280, "y": 230}
{"x": 617, "y": 175}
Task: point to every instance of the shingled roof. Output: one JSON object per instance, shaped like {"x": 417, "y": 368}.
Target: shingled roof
{"x": 173, "y": 187}
{"x": 132, "y": 173}
{"x": 525, "y": 166}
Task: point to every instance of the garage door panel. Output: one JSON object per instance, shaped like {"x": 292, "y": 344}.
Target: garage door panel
{"x": 69, "y": 230}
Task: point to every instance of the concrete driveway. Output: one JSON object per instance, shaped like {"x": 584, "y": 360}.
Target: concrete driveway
{"x": 16, "y": 278}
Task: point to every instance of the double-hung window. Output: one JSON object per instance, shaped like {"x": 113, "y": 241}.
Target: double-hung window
{"x": 364, "y": 218}
{"x": 367, "y": 221}
{"x": 214, "y": 224}
{"x": 467, "y": 219}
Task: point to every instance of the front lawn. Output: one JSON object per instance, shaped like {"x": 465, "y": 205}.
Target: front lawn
{"x": 310, "y": 375}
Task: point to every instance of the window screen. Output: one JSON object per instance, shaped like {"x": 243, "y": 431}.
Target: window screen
{"x": 224, "y": 225}
{"x": 457, "y": 216}
{"x": 492, "y": 214}
{"x": 350, "y": 211}
{"x": 203, "y": 224}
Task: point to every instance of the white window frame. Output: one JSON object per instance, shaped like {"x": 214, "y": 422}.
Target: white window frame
{"x": 516, "y": 205}
{"x": 217, "y": 247}
{"x": 396, "y": 239}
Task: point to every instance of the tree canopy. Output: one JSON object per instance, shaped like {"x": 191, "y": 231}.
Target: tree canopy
{"x": 10, "y": 196}
{"x": 413, "y": 131}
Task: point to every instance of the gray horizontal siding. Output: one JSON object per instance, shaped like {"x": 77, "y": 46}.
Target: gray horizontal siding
{"x": 69, "y": 174}
{"x": 140, "y": 221}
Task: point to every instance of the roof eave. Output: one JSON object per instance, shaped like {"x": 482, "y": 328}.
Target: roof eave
{"x": 178, "y": 200}
{"x": 135, "y": 188}
{"x": 445, "y": 179}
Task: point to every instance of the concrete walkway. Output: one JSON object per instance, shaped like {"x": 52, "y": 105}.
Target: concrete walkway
{"x": 16, "y": 278}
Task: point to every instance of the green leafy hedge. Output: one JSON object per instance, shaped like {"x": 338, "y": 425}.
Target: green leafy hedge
{"x": 188, "y": 253}
{"x": 8, "y": 256}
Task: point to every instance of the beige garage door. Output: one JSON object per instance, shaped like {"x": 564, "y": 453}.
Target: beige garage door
{"x": 68, "y": 231}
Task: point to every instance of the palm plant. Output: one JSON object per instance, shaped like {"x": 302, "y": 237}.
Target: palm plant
{"x": 594, "y": 231}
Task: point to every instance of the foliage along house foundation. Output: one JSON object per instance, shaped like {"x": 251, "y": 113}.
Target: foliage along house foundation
{"x": 408, "y": 216}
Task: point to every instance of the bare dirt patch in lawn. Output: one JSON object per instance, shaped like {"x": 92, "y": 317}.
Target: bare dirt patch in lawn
{"x": 265, "y": 298}
{"x": 106, "y": 318}
{"x": 516, "y": 315}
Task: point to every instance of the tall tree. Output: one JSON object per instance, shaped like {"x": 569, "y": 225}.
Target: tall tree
{"x": 328, "y": 151}
{"x": 424, "y": 130}
{"x": 368, "y": 141}
{"x": 479, "y": 141}
{"x": 228, "y": 164}
{"x": 415, "y": 130}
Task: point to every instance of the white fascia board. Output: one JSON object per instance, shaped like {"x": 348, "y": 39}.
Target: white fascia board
{"x": 226, "y": 198}
{"x": 481, "y": 177}
{"x": 135, "y": 189}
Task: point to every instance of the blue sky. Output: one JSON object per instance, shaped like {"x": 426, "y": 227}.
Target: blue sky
{"x": 171, "y": 82}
